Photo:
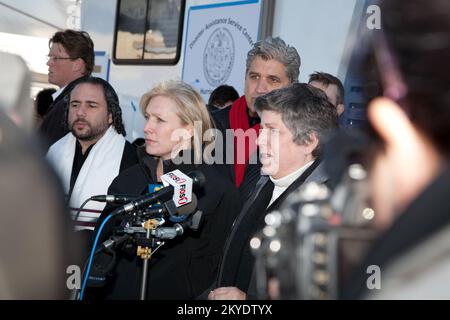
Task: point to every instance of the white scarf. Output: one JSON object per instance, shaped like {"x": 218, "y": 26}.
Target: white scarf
{"x": 98, "y": 171}
{"x": 281, "y": 185}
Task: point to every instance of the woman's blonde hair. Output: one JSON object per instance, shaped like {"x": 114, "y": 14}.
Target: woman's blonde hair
{"x": 191, "y": 109}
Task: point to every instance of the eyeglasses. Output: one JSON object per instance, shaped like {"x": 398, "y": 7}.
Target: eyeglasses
{"x": 59, "y": 58}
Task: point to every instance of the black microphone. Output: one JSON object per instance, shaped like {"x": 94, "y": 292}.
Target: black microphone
{"x": 162, "y": 195}
{"x": 188, "y": 208}
{"x": 178, "y": 228}
{"x": 113, "y": 198}
{"x": 169, "y": 207}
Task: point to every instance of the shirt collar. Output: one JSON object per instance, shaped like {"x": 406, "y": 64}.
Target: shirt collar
{"x": 57, "y": 93}
{"x": 290, "y": 178}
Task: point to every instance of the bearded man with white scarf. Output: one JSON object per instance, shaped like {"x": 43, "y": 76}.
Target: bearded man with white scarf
{"x": 95, "y": 151}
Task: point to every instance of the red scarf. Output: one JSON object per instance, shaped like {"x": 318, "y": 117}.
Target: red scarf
{"x": 239, "y": 120}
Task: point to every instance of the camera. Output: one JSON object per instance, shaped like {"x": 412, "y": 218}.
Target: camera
{"x": 309, "y": 247}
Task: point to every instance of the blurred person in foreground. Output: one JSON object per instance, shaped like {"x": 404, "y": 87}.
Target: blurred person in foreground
{"x": 37, "y": 246}
{"x": 409, "y": 175}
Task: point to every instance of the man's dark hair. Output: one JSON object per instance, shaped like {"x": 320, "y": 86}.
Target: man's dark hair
{"x": 78, "y": 44}
{"x": 43, "y": 101}
{"x": 304, "y": 110}
{"x": 221, "y": 95}
{"x": 327, "y": 79}
{"x": 112, "y": 101}
{"x": 419, "y": 47}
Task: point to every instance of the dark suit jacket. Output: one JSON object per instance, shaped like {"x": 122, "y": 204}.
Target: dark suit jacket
{"x": 238, "y": 261}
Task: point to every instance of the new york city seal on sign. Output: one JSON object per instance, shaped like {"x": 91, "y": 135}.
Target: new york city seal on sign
{"x": 218, "y": 57}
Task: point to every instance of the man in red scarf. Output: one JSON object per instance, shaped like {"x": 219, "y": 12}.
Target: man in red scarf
{"x": 271, "y": 64}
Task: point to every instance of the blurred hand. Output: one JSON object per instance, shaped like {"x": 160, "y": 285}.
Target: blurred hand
{"x": 227, "y": 293}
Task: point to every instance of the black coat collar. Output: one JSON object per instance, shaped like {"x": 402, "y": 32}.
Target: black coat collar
{"x": 149, "y": 163}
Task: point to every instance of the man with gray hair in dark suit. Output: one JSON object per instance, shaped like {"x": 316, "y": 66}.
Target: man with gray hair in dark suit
{"x": 295, "y": 122}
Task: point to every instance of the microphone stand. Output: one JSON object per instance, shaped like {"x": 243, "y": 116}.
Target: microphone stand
{"x": 145, "y": 252}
